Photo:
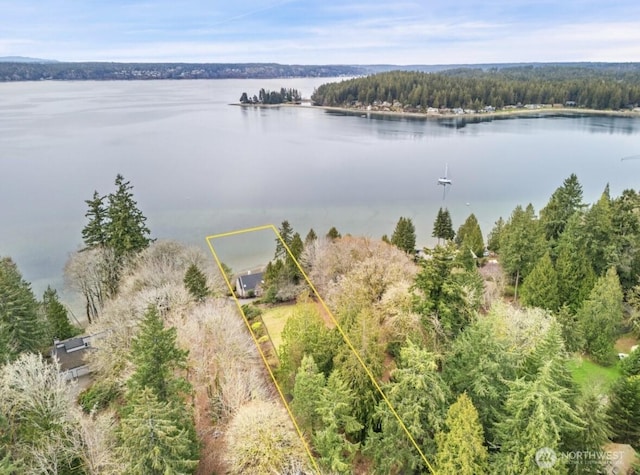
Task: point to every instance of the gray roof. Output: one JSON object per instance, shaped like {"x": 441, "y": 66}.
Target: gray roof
{"x": 250, "y": 281}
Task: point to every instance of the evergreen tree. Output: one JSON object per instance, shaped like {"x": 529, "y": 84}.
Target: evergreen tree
{"x": 404, "y": 236}
{"x": 286, "y": 235}
{"x": 593, "y": 437}
{"x": 22, "y": 327}
{"x": 536, "y": 415}
{"x": 334, "y": 409}
{"x": 296, "y": 247}
{"x": 311, "y": 237}
{"x": 306, "y": 393}
{"x": 470, "y": 235}
{"x": 419, "y": 397}
{"x": 575, "y": 274}
{"x": 630, "y": 365}
{"x": 305, "y": 333}
{"x": 480, "y": 364}
{"x": 540, "y": 289}
{"x": 155, "y": 357}
{"x": 196, "y": 283}
{"x": 600, "y": 315}
{"x": 95, "y": 232}
{"x": 461, "y": 447}
{"x": 59, "y": 326}
{"x": 442, "y": 227}
{"x": 521, "y": 243}
{"x": 598, "y": 234}
{"x": 493, "y": 242}
{"x": 565, "y": 201}
{"x": 126, "y": 230}
{"x": 625, "y": 221}
{"x": 445, "y": 291}
{"x": 333, "y": 234}
{"x": 624, "y": 410}
{"x": 157, "y": 437}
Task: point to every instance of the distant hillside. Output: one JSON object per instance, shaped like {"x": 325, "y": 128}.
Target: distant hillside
{"x": 24, "y": 59}
{"x": 97, "y": 71}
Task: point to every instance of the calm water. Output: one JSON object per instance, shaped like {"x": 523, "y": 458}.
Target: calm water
{"x": 200, "y": 166}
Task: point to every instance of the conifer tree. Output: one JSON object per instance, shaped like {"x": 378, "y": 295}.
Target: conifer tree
{"x": 461, "y": 447}
{"x": 94, "y": 233}
{"x": 419, "y": 397}
{"x": 157, "y": 437}
{"x": 306, "y": 393}
{"x": 333, "y": 234}
{"x": 540, "y": 288}
{"x": 521, "y": 243}
{"x": 493, "y": 241}
{"x": 404, "y": 236}
{"x": 334, "y": 409}
{"x": 196, "y": 283}
{"x": 566, "y": 200}
{"x": 21, "y": 324}
{"x": 480, "y": 364}
{"x": 536, "y": 415}
{"x": 156, "y": 357}
{"x": 442, "y": 227}
{"x": 296, "y": 247}
{"x": 286, "y": 233}
{"x": 624, "y": 410}
{"x": 311, "y": 237}
{"x": 630, "y": 365}
{"x": 59, "y": 326}
{"x": 600, "y": 315}
{"x": 595, "y": 434}
{"x": 126, "y": 230}
{"x": 575, "y": 274}
{"x": 598, "y": 234}
{"x": 470, "y": 235}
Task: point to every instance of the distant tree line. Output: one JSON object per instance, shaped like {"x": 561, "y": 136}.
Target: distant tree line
{"x": 477, "y": 88}
{"x": 97, "y": 71}
{"x": 265, "y": 96}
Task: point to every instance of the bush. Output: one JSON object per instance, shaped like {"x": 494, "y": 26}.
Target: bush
{"x": 98, "y": 396}
{"x": 251, "y": 311}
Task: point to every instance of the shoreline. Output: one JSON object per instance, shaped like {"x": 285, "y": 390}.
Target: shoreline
{"x": 498, "y": 114}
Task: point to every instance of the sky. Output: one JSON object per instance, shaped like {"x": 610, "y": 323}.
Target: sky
{"x": 322, "y": 31}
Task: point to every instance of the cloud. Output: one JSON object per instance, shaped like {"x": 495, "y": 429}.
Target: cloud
{"x": 330, "y": 31}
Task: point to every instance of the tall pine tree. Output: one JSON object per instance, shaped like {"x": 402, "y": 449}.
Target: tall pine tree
{"x": 157, "y": 437}
{"x": 156, "y": 358}
{"x": 404, "y": 236}
{"x": 95, "y": 232}
{"x": 461, "y": 447}
{"x": 442, "y": 227}
{"x": 23, "y": 329}
{"x": 126, "y": 229}
{"x": 59, "y": 326}
{"x": 540, "y": 289}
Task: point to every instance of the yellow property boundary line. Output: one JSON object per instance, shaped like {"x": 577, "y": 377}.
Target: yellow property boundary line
{"x": 209, "y": 240}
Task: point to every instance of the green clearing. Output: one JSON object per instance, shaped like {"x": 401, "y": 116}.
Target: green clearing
{"x": 276, "y": 317}
{"x": 589, "y": 374}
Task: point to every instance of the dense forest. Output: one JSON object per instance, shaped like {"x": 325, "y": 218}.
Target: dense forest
{"x": 98, "y": 71}
{"x": 498, "y": 356}
{"x": 288, "y": 96}
{"x": 476, "y": 88}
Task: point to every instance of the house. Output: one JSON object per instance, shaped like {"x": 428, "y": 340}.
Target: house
{"x": 70, "y": 355}
{"x": 249, "y": 284}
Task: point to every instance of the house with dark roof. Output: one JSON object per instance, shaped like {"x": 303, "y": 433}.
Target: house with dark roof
{"x": 249, "y": 285}
{"x": 70, "y": 354}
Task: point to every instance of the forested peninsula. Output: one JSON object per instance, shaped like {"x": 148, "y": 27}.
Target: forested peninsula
{"x": 477, "y": 90}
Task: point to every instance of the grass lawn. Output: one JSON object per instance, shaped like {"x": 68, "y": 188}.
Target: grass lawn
{"x": 276, "y": 317}
{"x": 589, "y": 374}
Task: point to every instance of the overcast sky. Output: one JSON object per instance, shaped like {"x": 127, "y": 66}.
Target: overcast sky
{"x": 322, "y": 31}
